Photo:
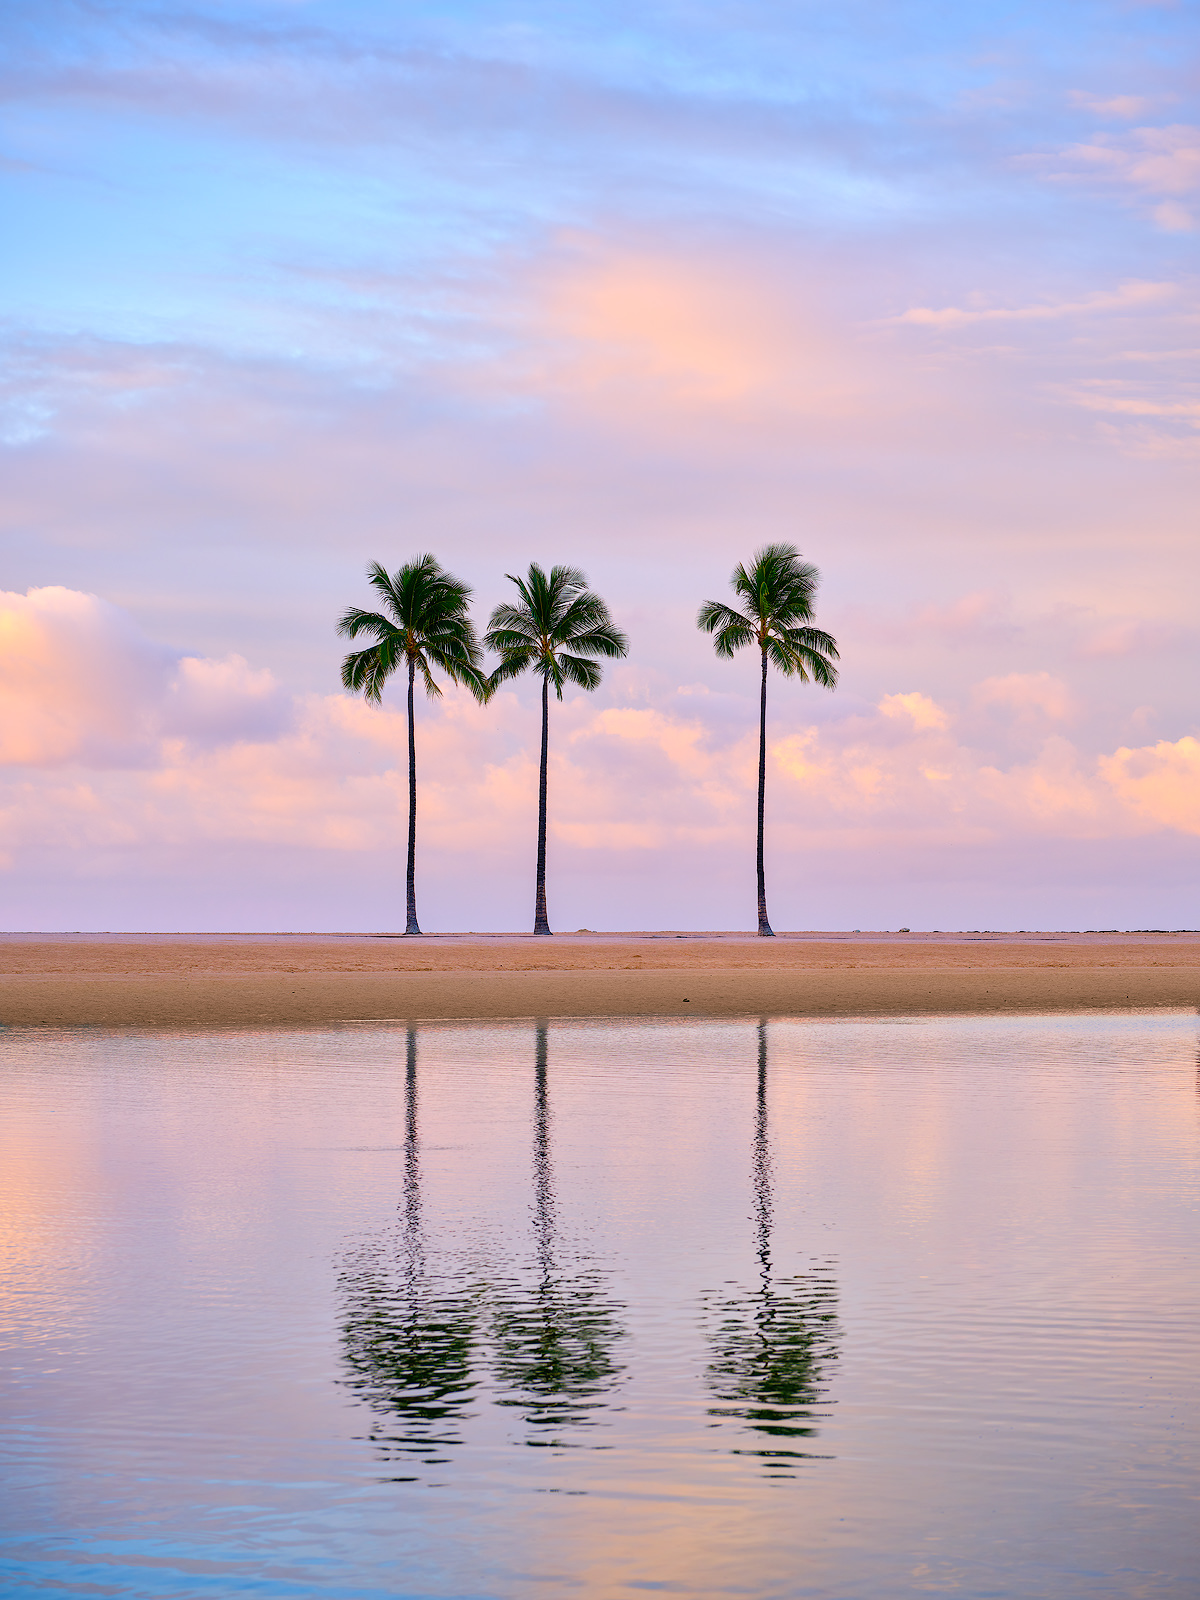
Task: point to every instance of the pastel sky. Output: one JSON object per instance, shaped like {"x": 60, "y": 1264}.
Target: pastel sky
{"x": 295, "y": 285}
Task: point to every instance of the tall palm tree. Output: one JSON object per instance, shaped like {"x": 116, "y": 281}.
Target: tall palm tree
{"x": 558, "y": 628}
{"x": 778, "y": 590}
{"x": 426, "y": 625}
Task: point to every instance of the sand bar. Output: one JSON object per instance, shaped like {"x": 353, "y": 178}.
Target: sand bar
{"x": 240, "y": 980}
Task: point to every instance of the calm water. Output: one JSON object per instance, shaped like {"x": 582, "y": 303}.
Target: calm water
{"x": 705, "y": 1309}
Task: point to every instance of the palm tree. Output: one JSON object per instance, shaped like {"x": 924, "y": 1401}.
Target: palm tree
{"x": 426, "y": 625}
{"x": 556, "y": 627}
{"x": 778, "y": 591}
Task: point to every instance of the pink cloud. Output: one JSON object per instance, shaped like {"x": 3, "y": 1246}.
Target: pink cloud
{"x": 1129, "y": 296}
{"x": 79, "y": 683}
{"x": 1027, "y": 694}
{"x": 1160, "y": 164}
{"x": 1125, "y": 106}
{"x": 1127, "y": 638}
{"x": 178, "y": 752}
{"x": 1160, "y": 781}
{"x": 644, "y": 334}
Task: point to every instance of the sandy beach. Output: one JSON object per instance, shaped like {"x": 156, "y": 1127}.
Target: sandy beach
{"x": 239, "y": 980}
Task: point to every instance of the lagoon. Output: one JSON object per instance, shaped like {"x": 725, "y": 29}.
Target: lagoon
{"x": 768, "y": 1309}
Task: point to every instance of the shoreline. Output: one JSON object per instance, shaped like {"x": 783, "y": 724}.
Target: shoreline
{"x": 239, "y": 980}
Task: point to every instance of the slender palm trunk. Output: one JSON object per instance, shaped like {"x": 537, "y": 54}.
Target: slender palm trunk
{"x": 413, "y": 926}
{"x": 765, "y": 931}
{"x": 543, "y": 1178}
{"x": 762, "y": 1165}
{"x": 540, "y": 924}
{"x": 412, "y": 1156}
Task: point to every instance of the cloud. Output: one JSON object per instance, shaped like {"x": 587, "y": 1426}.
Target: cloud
{"x": 639, "y": 331}
{"x": 79, "y": 683}
{"x": 1125, "y": 106}
{"x": 923, "y": 712}
{"x": 1131, "y": 295}
{"x": 182, "y": 770}
{"x": 1158, "y": 164}
{"x": 1122, "y": 399}
{"x": 1027, "y": 694}
{"x": 1124, "y": 638}
{"x": 982, "y": 617}
{"x": 625, "y": 779}
{"x": 1161, "y": 781}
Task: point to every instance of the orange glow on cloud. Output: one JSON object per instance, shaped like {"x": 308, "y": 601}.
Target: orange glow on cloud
{"x": 1161, "y": 781}
{"x": 624, "y": 778}
{"x": 642, "y": 327}
{"x": 669, "y": 325}
{"x": 122, "y": 747}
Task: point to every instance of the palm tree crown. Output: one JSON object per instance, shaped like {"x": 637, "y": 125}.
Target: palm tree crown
{"x": 424, "y": 624}
{"x": 778, "y": 590}
{"x": 427, "y": 624}
{"x": 558, "y": 624}
{"x": 559, "y": 628}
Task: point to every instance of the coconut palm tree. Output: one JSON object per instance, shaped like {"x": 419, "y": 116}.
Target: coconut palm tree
{"x": 778, "y": 590}
{"x": 426, "y": 625}
{"x": 558, "y": 628}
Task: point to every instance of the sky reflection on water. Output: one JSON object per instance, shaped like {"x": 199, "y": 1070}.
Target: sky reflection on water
{"x": 846, "y": 1309}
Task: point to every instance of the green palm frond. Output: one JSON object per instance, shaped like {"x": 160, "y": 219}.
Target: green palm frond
{"x": 355, "y": 622}
{"x": 427, "y": 624}
{"x": 360, "y": 672}
{"x": 556, "y": 623}
{"x": 732, "y": 630}
{"x": 779, "y": 592}
{"x": 585, "y": 674}
{"x": 511, "y": 666}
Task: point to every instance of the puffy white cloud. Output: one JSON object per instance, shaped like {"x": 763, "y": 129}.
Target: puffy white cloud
{"x": 80, "y": 683}
{"x": 1161, "y": 781}
{"x": 923, "y": 711}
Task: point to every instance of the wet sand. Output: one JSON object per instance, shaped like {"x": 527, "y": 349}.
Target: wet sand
{"x": 240, "y": 980}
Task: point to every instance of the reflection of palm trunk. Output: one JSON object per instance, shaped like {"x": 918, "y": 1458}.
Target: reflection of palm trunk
{"x": 408, "y": 1337}
{"x": 554, "y": 1339}
{"x": 412, "y": 1165}
{"x": 762, "y": 1165}
{"x": 770, "y": 1343}
{"x": 543, "y": 1178}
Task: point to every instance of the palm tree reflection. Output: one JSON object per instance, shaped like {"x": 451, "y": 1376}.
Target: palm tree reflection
{"x": 554, "y": 1338}
{"x": 410, "y": 1333}
{"x": 415, "y": 1329}
{"x": 771, "y": 1344}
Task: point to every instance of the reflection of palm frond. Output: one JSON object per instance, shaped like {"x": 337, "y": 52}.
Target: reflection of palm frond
{"x": 553, "y": 1347}
{"x": 409, "y": 1351}
{"x": 770, "y": 1348}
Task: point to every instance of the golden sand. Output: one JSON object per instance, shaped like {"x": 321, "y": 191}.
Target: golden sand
{"x": 237, "y": 980}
